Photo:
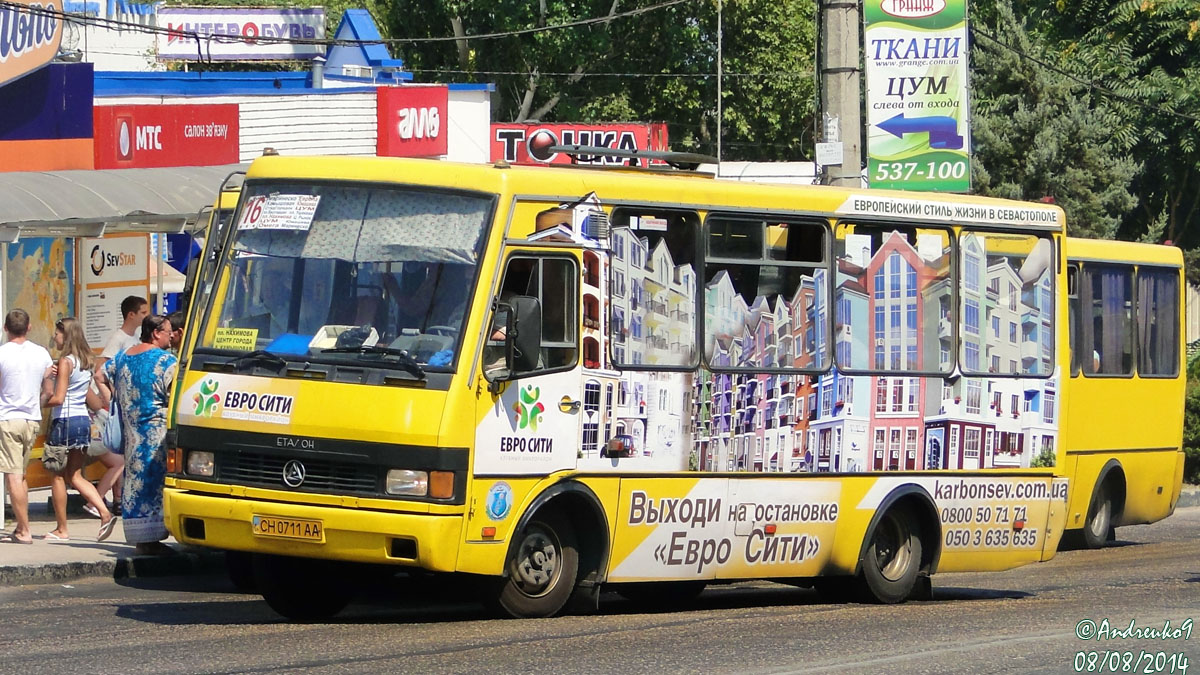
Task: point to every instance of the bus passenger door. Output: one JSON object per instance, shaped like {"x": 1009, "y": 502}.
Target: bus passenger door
{"x": 530, "y": 417}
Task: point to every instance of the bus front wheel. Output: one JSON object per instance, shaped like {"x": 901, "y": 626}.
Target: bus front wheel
{"x": 239, "y": 565}
{"x": 541, "y": 570}
{"x": 301, "y": 589}
{"x": 893, "y": 559}
{"x": 1099, "y": 520}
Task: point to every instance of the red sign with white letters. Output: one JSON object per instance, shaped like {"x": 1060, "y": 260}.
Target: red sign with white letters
{"x": 518, "y": 143}
{"x": 413, "y": 121}
{"x": 144, "y": 136}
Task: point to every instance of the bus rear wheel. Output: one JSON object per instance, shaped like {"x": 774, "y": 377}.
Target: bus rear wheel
{"x": 542, "y": 569}
{"x": 301, "y": 589}
{"x": 893, "y": 559}
{"x": 1099, "y": 519}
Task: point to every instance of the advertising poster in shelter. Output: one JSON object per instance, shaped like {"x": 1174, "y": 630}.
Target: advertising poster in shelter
{"x": 110, "y": 268}
{"x": 38, "y": 279}
{"x": 917, "y": 97}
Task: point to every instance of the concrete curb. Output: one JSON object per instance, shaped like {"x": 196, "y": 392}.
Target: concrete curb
{"x": 1190, "y": 496}
{"x": 183, "y": 564}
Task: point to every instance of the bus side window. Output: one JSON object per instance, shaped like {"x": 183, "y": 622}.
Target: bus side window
{"x": 552, "y": 280}
{"x": 1158, "y": 321}
{"x": 766, "y": 293}
{"x": 1073, "y": 310}
{"x": 653, "y": 281}
{"x": 1106, "y": 319}
{"x": 893, "y": 295}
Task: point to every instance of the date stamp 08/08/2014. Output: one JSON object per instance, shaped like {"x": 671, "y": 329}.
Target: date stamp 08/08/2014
{"x": 1173, "y": 659}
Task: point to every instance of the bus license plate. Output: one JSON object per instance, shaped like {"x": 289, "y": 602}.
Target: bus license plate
{"x": 288, "y": 528}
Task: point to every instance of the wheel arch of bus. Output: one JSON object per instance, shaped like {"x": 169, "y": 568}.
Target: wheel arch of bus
{"x": 586, "y": 514}
{"x": 918, "y": 502}
{"x": 1111, "y": 474}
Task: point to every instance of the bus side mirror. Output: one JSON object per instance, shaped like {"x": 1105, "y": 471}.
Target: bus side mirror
{"x": 526, "y": 336}
{"x": 514, "y": 341}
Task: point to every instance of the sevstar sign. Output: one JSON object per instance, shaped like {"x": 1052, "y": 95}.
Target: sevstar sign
{"x": 29, "y": 36}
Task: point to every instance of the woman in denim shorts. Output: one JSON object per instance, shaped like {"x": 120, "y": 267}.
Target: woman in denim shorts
{"x": 69, "y": 390}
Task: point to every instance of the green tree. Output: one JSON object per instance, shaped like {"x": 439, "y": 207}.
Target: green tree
{"x": 656, "y": 66}
{"x": 1148, "y": 52}
{"x": 1040, "y": 135}
{"x": 1191, "y": 423}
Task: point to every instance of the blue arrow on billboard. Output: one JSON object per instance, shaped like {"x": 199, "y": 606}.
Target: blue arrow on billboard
{"x": 942, "y": 130}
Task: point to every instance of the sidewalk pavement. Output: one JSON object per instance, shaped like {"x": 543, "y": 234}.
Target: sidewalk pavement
{"x": 1189, "y": 497}
{"x": 48, "y": 562}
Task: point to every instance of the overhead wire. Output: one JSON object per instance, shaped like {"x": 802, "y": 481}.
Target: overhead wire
{"x": 82, "y": 19}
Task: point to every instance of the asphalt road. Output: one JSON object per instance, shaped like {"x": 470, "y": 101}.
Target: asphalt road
{"x": 1022, "y": 620}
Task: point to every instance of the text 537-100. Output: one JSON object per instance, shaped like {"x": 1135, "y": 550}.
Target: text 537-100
{"x": 1119, "y": 661}
{"x": 920, "y": 170}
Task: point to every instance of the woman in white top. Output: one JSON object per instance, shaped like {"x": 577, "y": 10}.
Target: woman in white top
{"x": 69, "y": 390}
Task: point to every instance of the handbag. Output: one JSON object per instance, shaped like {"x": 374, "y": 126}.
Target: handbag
{"x": 54, "y": 457}
{"x": 110, "y": 435}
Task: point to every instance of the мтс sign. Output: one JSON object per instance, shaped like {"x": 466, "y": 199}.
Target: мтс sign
{"x": 30, "y": 33}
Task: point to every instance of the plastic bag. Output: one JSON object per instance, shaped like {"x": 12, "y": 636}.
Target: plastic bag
{"x": 96, "y": 446}
{"x": 111, "y": 435}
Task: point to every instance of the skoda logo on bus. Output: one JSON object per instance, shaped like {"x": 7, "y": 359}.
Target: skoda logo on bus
{"x": 293, "y": 473}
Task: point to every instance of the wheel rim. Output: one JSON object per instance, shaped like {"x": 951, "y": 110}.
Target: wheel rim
{"x": 893, "y": 552}
{"x": 1100, "y": 522}
{"x": 537, "y": 565}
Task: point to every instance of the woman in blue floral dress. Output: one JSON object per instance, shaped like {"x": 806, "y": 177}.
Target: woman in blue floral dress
{"x": 141, "y": 377}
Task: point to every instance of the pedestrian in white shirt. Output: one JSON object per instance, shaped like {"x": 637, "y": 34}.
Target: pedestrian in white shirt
{"x": 133, "y": 309}
{"x": 23, "y": 365}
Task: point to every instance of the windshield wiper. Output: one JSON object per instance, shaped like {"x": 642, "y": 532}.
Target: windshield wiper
{"x": 259, "y": 355}
{"x": 403, "y": 359}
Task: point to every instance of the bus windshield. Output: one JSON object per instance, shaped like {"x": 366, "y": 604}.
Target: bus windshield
{"x": 361, "y": 273}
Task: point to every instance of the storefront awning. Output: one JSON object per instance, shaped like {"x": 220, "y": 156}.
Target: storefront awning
{"x": 89, "y": 203}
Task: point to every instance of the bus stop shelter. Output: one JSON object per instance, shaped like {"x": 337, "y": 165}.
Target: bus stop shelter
{"x": 64, "y": 207}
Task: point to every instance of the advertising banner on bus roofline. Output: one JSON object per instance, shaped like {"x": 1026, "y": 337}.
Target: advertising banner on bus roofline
{"x": 917, "y": 97}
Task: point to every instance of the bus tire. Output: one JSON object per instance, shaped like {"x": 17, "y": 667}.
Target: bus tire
{"x": 1099, "y": 521}
{"x": 893, "y": 559}
{"x": 301, "y": 589}
{"x": 239, "y": 566}
{"x": 659, "y": 593}
{"x": 542, "y": 568}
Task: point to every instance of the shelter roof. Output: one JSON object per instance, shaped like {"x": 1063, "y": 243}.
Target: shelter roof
{"x": 90, "y": 202}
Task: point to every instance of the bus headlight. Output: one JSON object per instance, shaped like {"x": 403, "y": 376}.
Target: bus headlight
{"x": 407, "y": 482}
{"x": 200, "y": 463}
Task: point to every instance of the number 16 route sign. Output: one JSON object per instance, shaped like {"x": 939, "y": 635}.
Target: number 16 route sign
{"x": 917, "y": 103}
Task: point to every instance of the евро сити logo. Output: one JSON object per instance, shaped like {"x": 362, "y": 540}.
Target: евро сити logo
{"x": 207, "y": 400}
{"x": 528, "y": 409}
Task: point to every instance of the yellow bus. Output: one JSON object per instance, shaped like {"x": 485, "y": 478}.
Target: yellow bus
{"x": 1124, "y": 385}
{"x": 564, "y": 379}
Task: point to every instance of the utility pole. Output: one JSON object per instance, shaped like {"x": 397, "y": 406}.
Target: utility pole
{"x": 841, "y": 89}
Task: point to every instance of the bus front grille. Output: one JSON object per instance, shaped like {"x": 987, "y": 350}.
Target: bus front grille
{"x": 248, "y": 468}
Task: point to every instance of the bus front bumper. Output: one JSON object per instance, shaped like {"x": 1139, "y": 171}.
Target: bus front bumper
{"x": 327, "y": 532}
